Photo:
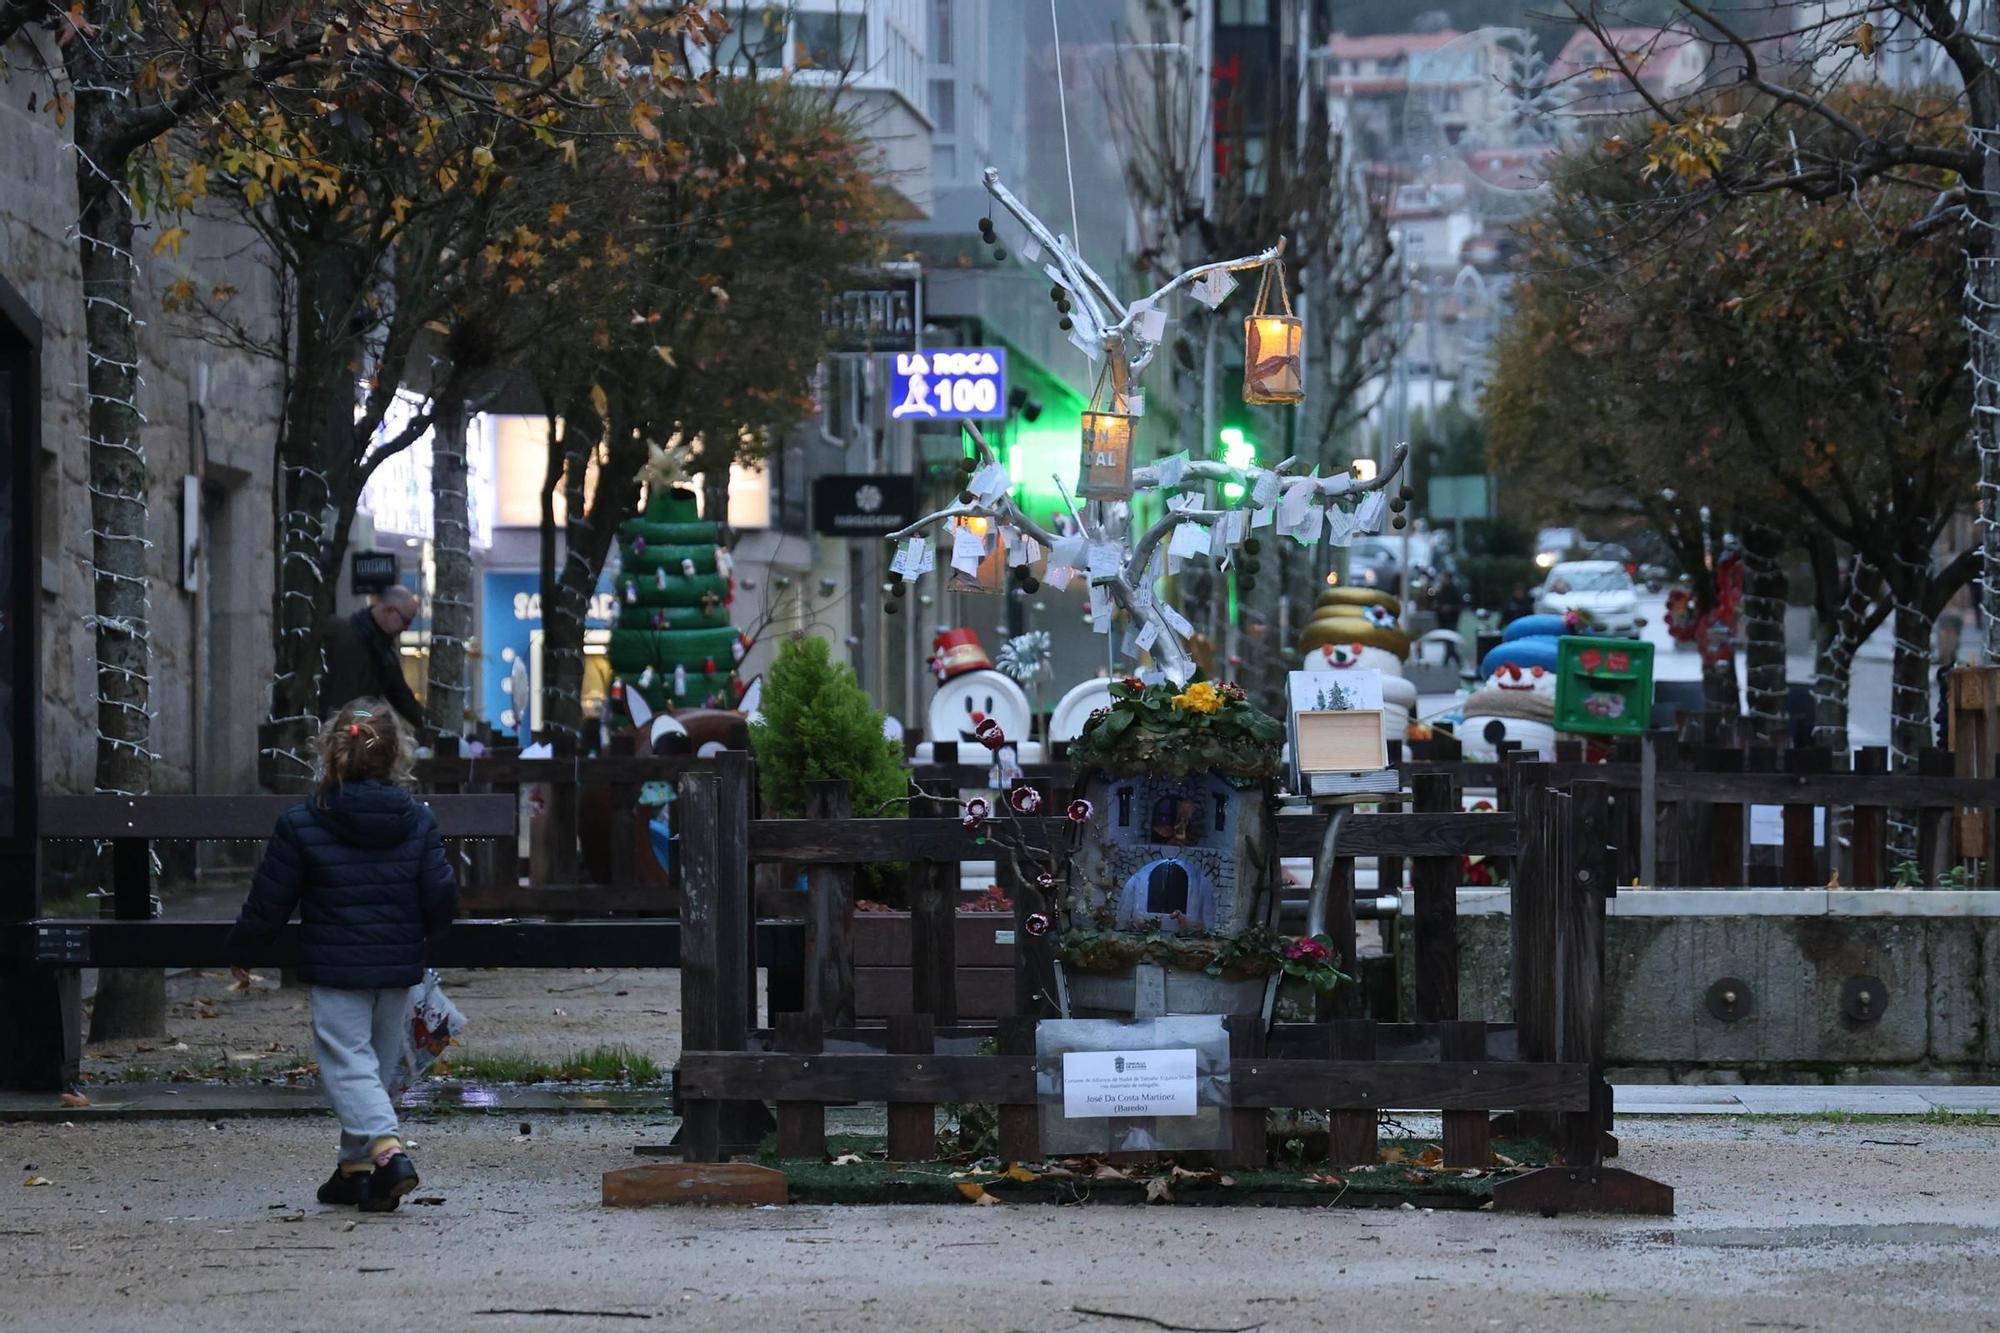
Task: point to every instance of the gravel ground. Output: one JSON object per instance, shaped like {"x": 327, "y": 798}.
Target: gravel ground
{"x": 1783, "y": 1225}
{"x": 544, "y": 1014}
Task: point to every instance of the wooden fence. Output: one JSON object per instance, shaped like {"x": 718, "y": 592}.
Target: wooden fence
{"x": 1547, "y": 1068}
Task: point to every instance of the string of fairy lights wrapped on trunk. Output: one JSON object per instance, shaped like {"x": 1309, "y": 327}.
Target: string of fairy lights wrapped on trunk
{"x": 1120, "y": 566}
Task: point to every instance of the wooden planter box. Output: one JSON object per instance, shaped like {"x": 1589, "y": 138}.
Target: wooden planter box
{"x": 985, "y": 972}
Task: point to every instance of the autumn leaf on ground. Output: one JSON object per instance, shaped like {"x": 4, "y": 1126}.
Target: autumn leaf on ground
{"x": 972, "y": 1190}
{"x": 1502, "y": 1159}
{"x": 1108, "y": 1173}
{"x": 1431, "y": 1156}
{"x": 1418, "y": 1177}
{"x": 1395, "y": 1155}
{"x": 33, "y": 1182}
{"x": 1327, "y": 1179}
{"x": 75, "y": 1099}
{"x": 1020, "y": 1173}
{"x": 988, "y": 1201}
{"x": 848, "y": 1159}
{"x": 1159, "y": 1190}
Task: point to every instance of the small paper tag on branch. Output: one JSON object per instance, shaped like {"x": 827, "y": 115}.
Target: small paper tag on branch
{"x": 1212, "y": 289}
{"x": 1264, "y": 491}
{"x": 1180, "y": 623}
{"x": 990, "y": 483}
{"x": 1171, "y": 470}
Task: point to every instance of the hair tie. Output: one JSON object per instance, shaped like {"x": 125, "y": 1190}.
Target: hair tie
{"x": 353, "y": 730}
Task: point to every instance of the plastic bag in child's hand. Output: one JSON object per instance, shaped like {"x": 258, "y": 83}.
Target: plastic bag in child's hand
{"x": 435, "y": 1023}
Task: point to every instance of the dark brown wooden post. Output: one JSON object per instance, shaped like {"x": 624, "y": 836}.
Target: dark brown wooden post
{"x": 1725, "y": 822}
{"x": 1020, "y": 1126}
{"x": 934, "y": 927}
{"x": 1351, "y": 1134}
{"x": 1869, "y": 820}
{"x": 1347, "y": 1000}
{"x": 1935, "y": 848}
{"x": 830, "y": 915}
{"x": 801, "y": 1125}
{"x": 132, "y": 879}
{"x": 1533, "y": 900}
{"x": 912, "y": 1125}
{"x": 1467, "y": 1134}
{"x": 1801, "y": 860}
{"x": 1434, "y": 880}
{"x": 1248, "y": 1144}
{"x": 702, "y": 876}
{"x": 624, "y": 808}
{"x": 1582, "y": 960}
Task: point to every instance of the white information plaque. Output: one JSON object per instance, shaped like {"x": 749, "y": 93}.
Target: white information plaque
{"x": 1128, "y": 1083}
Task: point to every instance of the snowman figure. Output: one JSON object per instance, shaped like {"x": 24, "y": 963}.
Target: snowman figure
{"x": 969, "y": 693}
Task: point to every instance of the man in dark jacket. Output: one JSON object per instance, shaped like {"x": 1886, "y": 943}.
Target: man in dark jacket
{"x": 362, "y": 660}
{"x": 365, "y": 867}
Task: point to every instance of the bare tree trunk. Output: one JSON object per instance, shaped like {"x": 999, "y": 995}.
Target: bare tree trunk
{"x": 1833, "y": 666}
{"x": 1982, "y": 322}
{"x": 1909, "y": 709}
{"x": 1764, "y": 632}
{"x": 451, "y": 597}
{"x": 319, "y": 486}
{"x": 130, "y": 1002}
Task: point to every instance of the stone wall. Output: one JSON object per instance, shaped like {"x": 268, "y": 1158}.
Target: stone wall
{"x": 1795, "y": 962}
{"x": 211, "y": 649}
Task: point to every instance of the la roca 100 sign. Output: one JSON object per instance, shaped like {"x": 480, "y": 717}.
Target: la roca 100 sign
{"x": 955, "y": 384}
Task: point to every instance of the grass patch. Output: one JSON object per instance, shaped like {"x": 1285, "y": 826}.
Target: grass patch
{"x": 1937, "y": 1115}
{"x": 599, "y": 1064}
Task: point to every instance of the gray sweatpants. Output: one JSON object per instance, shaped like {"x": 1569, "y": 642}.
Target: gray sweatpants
{"x": 359, "y": 1036}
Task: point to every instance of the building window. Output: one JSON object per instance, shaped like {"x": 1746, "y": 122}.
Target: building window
{"x": 830, "y": 41}
{"x": 944, "y": 106}
{"x": 944, "y": 162}
{"x": 754, "y": 42}
{"x": 941, "y": 31}
{"x": 1244, "y": 13}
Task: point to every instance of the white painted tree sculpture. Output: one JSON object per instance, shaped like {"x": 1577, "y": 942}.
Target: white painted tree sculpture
{"x": 1121, "y": 566}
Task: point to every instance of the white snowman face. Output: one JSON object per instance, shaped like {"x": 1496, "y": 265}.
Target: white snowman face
{"x": 1524, "y": 680}
{"x": 1366, "y": 657}
{"x": 963, "y": 702}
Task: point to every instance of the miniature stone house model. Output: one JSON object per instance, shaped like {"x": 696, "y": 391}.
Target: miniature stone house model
{"x": 1172, "y": 853}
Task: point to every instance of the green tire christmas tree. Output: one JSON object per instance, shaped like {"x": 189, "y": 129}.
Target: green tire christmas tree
{"x": 673, "y": 645}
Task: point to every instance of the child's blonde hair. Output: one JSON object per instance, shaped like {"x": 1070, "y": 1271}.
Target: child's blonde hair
{"x": 363, "y": 741}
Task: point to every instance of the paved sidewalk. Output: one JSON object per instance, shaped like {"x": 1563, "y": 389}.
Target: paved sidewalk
{"x": 1801, "y": 1099}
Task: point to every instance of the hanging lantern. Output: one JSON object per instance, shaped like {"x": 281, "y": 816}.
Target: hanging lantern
{"x": 1274, "y": 345}
{"x": 1106, "y": 470}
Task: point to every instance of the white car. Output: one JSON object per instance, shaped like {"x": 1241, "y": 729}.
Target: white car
{"x": 1601, "y": 589}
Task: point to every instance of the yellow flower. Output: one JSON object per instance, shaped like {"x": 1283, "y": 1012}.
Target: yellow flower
{"x": 1200, "y": 697}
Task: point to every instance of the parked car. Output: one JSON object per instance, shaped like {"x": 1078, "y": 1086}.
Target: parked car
{"x": 1553, "y": 545}
{"x": 1377, "y": 562}
{"x": 1601, "y": 589}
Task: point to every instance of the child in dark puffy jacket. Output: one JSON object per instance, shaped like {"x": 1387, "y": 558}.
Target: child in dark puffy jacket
{"x": 365, "y": 867}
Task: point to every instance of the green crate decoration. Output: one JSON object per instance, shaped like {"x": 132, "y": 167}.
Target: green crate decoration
{"x": 1604, "y": 687}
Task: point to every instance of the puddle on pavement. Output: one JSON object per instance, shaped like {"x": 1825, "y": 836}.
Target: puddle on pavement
{"x": 1795, "y": 1238}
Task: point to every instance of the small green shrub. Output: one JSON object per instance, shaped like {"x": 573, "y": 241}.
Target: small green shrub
{"x": 818, "y": 723}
